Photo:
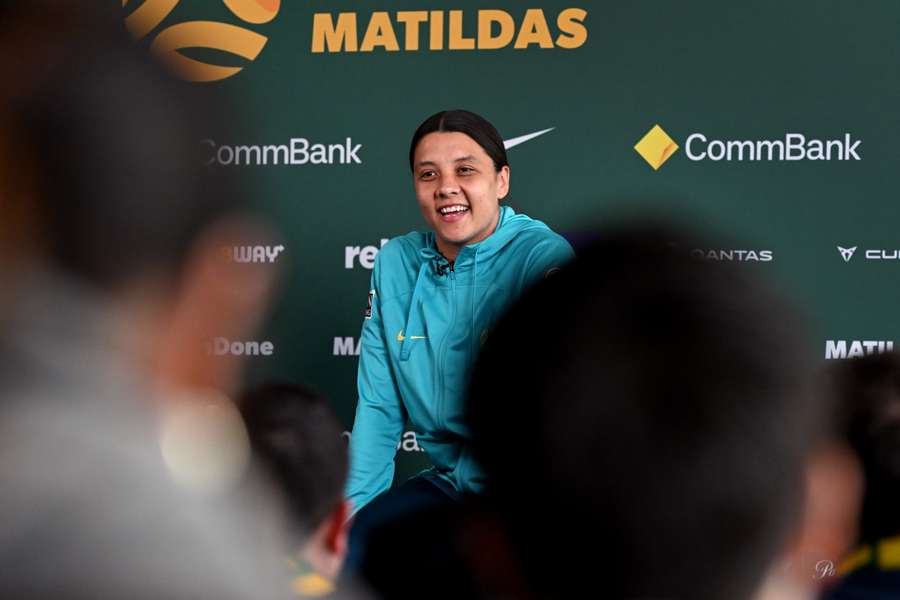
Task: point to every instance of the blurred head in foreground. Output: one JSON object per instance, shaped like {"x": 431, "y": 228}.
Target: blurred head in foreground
{"x": 644, "y": 417}
{"x": 102, "y": 180}
{"x": 868, "y": 390}
{"x": 296, "y": 436}
{"x": 112, "y": 279}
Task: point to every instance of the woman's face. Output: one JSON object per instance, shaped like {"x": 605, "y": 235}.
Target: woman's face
{"x": 458, "y": 189}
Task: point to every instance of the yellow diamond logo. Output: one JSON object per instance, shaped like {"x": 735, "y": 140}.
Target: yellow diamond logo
{"x": 656, "y": 147}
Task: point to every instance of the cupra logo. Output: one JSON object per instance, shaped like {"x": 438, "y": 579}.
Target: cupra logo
{"x": 226, "y": 37}
{"x": 846, "y": 253}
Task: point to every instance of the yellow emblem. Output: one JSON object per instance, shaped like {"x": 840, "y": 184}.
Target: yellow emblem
{"x": 656, "y": 147}
{"x": 225, "y": 37}
{"x": 401, "y": 337}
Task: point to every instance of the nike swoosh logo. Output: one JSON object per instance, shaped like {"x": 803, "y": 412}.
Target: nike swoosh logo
{"x": 524, "y": 138}
{"x": 401, "y": 337}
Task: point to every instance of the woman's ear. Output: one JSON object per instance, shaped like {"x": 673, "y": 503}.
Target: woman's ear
{"x": 502, "y": 182}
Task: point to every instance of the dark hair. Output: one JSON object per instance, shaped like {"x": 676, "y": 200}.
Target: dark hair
{"x": 868, "y": 390}
{"x": 115, "y": 142}
{"x": 653, "y": 405}
{"x": 296, "y": 436}
{"x": 475, "y": 126}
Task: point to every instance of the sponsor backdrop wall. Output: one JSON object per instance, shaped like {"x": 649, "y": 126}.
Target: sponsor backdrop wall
{"x": 773, "y": 122}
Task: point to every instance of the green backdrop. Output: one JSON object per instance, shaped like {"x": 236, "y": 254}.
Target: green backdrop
{"x": 738, "y": 72}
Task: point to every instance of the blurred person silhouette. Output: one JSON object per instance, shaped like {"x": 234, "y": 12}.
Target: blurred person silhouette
{"x": 828, "y": 524}
{"x": 297, "y": 437}
{"x": 118, "y": 445}
{"x": 868, "y": 389}
{"x": 643, "y": 418}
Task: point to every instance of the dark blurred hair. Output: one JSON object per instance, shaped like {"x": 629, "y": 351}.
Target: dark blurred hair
{"x": 475, "y": 126}
{"x": 643, "y": 418}
{"x": 297, "y": 437}
{"x": 114, "y": 142}
{"x": 868, "y": 390}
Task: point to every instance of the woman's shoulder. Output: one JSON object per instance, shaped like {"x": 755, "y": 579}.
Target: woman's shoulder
{"x": 410, "y": 243}
{"x": 404, "y": 247}
{"x": 529, "y": 232}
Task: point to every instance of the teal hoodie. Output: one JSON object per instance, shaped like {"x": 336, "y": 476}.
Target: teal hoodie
{"x": 422, "y": 332}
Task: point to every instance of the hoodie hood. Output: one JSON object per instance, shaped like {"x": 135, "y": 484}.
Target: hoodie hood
{"x": 509, "y": 225}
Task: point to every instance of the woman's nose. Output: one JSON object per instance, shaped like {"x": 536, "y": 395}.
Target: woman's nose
{"x": 448, "y": 187}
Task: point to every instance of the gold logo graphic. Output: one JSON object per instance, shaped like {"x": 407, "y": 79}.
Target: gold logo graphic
{"x": 228, "y": 38}
{"x": 656, "y": 147}
{"x": 401, "y": 337}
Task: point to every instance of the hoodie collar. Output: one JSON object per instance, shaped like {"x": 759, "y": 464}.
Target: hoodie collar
{"x": 503, "y": 234}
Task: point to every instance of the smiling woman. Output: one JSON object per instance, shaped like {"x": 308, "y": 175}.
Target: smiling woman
{"x": 433, "y": 298}
{"x": 458, "y": 187}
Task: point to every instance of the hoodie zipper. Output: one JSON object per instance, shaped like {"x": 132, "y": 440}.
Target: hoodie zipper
{"x": 439, "y": 403}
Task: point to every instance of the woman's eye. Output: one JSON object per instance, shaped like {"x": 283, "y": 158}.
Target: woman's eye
{"x": 426, "y": 175}
{"x": 465, "y": 170}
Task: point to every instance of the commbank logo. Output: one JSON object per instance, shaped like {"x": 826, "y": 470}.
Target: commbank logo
{"x": 227, "y": 38}
{"x": 656, "y": 147}
{"x": 298, "y": 151}
{"x": 846, "y": 253}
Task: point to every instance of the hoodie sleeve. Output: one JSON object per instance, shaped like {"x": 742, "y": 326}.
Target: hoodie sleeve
{"x": 380, "y": 414}
{"x": 545, "y": 257}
